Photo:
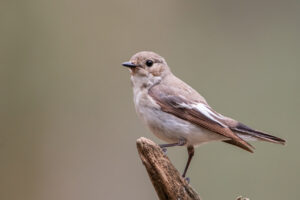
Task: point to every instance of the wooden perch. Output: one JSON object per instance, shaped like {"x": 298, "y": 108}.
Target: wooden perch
{"x": 165, "y": 178}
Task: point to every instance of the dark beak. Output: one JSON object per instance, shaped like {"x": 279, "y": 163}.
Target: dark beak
{"x": 128, "y": 64}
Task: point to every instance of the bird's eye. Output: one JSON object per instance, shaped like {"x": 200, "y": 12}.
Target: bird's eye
{"x": 149, "y": 63}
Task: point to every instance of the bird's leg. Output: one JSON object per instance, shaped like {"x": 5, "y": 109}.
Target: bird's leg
{"x": 181, "y": 142}
{"x": 191, "y": 154}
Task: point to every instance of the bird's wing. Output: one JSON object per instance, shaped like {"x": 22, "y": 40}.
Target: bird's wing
{"x": 198, "y": 113}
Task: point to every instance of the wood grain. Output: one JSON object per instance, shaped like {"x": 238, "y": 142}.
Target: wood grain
{"x": 165, "y": 178}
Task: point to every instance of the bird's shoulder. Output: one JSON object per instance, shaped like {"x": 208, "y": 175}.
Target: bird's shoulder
{"x": 171, "y": 86}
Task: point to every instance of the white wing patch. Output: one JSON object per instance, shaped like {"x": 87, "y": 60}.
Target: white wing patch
{"x": 205, "y": 110}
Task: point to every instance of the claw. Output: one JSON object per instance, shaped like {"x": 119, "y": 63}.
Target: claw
{"x": 187, "y": 179}
{"x": 164, "y": 149}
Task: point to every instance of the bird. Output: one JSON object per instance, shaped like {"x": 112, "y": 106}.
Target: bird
{"x": 177, "y": 114}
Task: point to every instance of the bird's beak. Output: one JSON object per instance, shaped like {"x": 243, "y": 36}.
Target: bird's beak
{"x": 128, "y": 64}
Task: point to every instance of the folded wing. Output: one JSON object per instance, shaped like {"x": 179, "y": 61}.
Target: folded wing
{"x": 198, "y": 113}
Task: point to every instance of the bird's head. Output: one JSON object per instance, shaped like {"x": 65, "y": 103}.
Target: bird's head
{"x": 147, "y": 66}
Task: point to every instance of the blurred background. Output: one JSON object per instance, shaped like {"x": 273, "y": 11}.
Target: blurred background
{"x": 68, "y": 125}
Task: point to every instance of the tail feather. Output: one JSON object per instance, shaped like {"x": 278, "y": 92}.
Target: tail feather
{"x": 241, "y": 128}
{"x": 233, "y": 142}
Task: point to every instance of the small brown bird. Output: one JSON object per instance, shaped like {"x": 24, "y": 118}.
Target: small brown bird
{"x": 178, "y": 114}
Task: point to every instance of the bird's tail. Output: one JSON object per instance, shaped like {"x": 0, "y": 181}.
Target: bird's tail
{"x": 251, "y": 133}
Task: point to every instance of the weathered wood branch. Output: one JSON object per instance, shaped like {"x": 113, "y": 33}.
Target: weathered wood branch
{"x": 165, "y": 178}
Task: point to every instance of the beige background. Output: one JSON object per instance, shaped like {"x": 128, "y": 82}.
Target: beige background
{"x": 68, "y": 125}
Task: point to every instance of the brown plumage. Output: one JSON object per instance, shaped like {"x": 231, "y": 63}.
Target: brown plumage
{"x": 169, "y": 100}
{"x": 171, "y": 104}
{"x": 178, "y": 114}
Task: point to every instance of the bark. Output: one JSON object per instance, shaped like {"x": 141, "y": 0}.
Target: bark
{"x": 165, "y": 178}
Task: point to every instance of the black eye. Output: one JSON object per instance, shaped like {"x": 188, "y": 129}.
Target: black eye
{"x": 149, "y": 63}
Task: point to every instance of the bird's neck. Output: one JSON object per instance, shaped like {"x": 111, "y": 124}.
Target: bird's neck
{"x": 144, "y": 82}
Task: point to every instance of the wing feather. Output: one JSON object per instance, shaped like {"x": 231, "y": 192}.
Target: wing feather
{"x": 197, "y": 113}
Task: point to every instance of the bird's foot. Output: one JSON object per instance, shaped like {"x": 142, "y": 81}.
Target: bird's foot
{"x": 187, "y": 179}
{"x": 164, "y": 149}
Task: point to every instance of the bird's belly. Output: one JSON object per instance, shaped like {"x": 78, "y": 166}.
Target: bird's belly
{"x": 170, "y": 128}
